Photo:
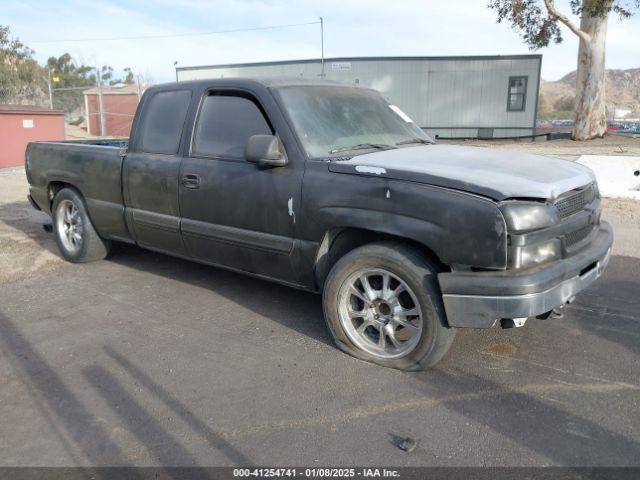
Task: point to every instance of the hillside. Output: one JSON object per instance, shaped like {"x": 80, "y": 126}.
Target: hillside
{"x": 622, "y": 91}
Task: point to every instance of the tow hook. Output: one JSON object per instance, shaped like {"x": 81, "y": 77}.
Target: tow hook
{"x": 557, "y": 312}
{"x": 512, "y": 322}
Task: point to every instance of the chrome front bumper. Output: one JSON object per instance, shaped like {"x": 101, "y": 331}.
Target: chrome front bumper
{"x": 477, "y": 300}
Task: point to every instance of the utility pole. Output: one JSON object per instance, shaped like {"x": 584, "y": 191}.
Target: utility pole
{"x": 175, "y": 66}
{"x": 321, "y": 47}
{"x": 103, "y": 126}
{"x": 50, "y": 91}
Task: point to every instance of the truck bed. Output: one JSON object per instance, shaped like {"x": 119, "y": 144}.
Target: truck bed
{"x": 94, "y": 167}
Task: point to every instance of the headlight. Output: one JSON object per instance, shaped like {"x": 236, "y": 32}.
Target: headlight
{"x": 528, "y": 216}
{"x": 529, "y": 255}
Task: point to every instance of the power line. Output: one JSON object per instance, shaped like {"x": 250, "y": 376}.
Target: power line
{"x": 187, "y": 34}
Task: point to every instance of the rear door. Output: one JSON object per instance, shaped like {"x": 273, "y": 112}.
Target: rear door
{"x": 152, "y": 168}
{"x": 235, "y": 213}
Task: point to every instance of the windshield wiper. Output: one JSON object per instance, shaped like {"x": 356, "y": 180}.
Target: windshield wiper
{"x": 362, "y": 146}
{"x": 414, "y": 140}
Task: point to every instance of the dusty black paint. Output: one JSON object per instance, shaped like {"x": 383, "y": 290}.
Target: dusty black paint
{"x": 281, "y": 223}
{"x": 528, "y": 281}
{"x": 456, "y": 226}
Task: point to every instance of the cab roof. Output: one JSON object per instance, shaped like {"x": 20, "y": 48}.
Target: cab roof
{"x": 272, "y": 82}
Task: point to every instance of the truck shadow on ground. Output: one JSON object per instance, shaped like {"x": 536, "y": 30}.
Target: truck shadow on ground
{"x": 295, "y": 309}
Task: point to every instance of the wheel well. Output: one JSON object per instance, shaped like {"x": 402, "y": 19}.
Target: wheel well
{"x": 54, "y": 187}
{"x": 338, "y": 242}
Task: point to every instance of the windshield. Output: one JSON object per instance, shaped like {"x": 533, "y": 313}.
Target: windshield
{"x": 332, "y": 120}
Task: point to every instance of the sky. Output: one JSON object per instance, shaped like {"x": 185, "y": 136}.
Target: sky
{"x": 352, "y": 28}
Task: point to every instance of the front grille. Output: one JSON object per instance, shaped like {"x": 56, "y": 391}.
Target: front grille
{"x": 576, "y": 237}
{"x": 575, "y": 200}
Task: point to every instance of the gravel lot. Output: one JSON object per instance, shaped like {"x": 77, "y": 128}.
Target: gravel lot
{"x": 609, "y": 145}
{"x": 145, "y": 359}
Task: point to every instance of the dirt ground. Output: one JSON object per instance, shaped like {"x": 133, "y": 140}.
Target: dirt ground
{"x": 74, "y": 132}
{"x": 21, "y": 253}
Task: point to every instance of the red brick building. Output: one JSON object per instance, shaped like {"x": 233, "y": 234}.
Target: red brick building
{"x": 21, "y": 124}
{"x": 120, "y": 102}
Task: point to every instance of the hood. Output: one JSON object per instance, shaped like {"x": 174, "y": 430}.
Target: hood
{"x": 497, "y": 174}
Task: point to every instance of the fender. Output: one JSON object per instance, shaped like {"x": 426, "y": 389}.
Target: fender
{"x": 458, "y": 227}
{"x": 71, "y": 178}
{"x": 420, "y": 230}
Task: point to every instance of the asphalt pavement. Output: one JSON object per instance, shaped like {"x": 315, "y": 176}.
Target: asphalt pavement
{"x": 144, "y": 359}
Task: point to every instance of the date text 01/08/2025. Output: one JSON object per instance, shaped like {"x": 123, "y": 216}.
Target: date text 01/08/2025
{"x": 315, "y": 473}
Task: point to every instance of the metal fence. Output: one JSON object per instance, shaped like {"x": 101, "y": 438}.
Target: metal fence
{"x": 18, "y": 91}
{"x": 93, "y": 110}
{"x": 98, "y": 110}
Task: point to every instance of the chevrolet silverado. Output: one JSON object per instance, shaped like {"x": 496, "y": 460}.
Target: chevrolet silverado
{"x": 330, "y": 188}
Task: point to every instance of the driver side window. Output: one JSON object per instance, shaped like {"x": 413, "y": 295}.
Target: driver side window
{"x": 224, "y": 125}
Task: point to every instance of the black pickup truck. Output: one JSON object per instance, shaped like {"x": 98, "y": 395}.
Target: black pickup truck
{"x": 329, "y": 188}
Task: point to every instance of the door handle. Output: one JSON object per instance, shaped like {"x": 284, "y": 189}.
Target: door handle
{"x": 191, "y": 180}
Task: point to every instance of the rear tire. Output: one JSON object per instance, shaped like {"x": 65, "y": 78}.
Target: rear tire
{"x": 75, "y": 235}
{"x": 397, "y": 319}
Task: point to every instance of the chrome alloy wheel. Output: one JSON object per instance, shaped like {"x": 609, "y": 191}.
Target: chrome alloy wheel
{"x": 380, "y": 313}
{"x": 69, "y": 226}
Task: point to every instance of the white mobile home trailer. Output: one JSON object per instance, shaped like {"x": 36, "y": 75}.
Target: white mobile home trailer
{"x": 450, "y": 97}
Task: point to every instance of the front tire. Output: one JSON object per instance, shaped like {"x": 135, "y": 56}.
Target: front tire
{"x": 382, "y": 304}
{"x": 75, "y": 235}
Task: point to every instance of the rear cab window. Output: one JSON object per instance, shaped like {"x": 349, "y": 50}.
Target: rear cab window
{"x": 163, "y": 122}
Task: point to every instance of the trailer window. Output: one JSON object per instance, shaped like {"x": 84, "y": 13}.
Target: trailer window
{"x": 224, "y": 125}
{"x": 163, "y": 121}
{"x": 517, "y": 94}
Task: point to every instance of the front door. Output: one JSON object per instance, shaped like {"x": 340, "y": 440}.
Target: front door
{"x": 151, "y": 172}
{"x": 235, "y": 213}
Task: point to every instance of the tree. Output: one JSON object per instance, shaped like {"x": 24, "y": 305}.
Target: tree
{"x": 565, "y": 104}
{"x": 539, "y": 24}
{"x": 129, "y": 78}
{"x": 106, "y": 74}
{"x": 69, "y": 74}
{"x": 68, "y": 81}
{"x": 22, "y": 80}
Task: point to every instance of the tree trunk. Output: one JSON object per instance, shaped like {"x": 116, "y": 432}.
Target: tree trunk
{"x": 590, "y": 120}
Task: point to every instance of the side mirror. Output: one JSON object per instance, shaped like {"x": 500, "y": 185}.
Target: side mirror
{"x": 265, "y": 151}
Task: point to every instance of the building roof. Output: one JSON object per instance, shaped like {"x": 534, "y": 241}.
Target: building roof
{"x": 365, "y": 59}
{"x": 28, "y": 109}
{"x": 118, "y": 89}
